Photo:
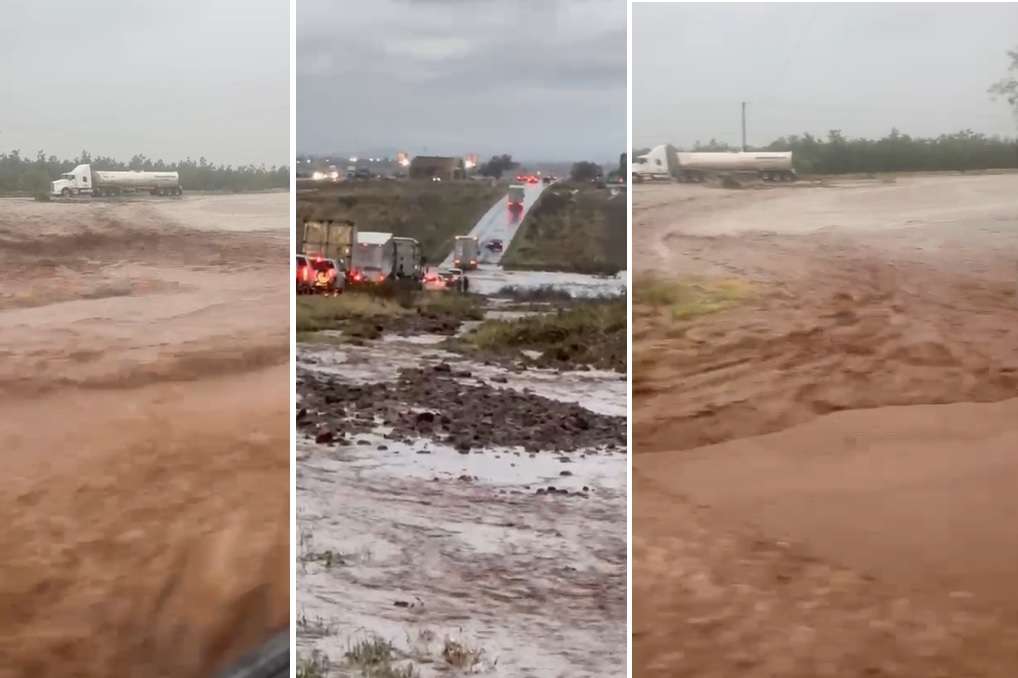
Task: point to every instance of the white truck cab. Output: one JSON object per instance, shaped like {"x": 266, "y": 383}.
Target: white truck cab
{"x": 653, "y": 166}
{"x": 78, "y": 180}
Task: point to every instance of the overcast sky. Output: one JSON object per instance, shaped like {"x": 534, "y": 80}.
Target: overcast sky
{"x": 540, "y": 80}
{"x": 167, "y": 79}
{"x": 862, "y": 68}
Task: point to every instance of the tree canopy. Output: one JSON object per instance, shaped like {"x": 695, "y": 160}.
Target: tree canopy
{"x": 33, "y": 175}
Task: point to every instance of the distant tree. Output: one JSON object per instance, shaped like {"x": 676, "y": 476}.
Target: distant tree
{"x": 1007, "y": 88}
{"x": 19, "y": 174}
{"x": 585, "y": 171}
{"x": 497, "y": 166}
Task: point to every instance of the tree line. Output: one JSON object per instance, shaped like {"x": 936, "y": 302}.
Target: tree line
{"x": 895, "y": 152}
{"x": 23, "y": 174}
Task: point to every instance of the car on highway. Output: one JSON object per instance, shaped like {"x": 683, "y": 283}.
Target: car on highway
{"x": 532, "y": 180}
{"x": 547, "y": 179}
{"x": 494, "y": 245}
{"x": 327, "y": 276}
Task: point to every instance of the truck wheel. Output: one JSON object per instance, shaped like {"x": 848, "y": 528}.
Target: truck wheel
{"x": 66, "y": 193}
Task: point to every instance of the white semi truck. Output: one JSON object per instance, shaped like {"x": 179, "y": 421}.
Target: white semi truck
{"x": 83, "y": 180}
{"x": 696, "y": 167}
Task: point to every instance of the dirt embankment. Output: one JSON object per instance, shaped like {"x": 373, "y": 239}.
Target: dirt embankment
{"x": 146, "y": 522}
{"x": 573, "y": 227}
{"x": 833, "y": 452}
{"x": 433, "y": 213}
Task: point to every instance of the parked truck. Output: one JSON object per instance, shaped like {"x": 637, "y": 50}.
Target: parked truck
{"x": 516, "y": 194}
{"x": 83, "y": 180}
{"x": 408, "y": 258}
{"x": 328, "y": 239}
{"x": 466, "y": 252}
{"x": 373, "y": 257}
{"x": 697, "y": 166}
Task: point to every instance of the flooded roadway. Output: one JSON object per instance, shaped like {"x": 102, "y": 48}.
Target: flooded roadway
{"x": 419, "y": 543}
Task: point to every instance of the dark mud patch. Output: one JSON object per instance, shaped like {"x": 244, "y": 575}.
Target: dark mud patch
{"x": 450, "y": 406}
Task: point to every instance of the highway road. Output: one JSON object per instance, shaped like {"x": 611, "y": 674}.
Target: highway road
{"x": 501, "y": 223}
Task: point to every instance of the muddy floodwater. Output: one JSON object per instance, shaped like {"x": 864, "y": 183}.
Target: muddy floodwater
{"x": 143, "y": 433}
{"x": 518, "y": 555}
{"x": 824, "y": 471}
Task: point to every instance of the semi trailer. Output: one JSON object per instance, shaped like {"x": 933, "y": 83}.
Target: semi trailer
{"x": 83, "y": 180}
{"x": 517, "y": 192}
{"x": 466, "y": 252}
{"x": 328, "y": 239}
{"x": 695, "y": 167}
{"x": 373, "y": 257}
{"x": 408, "y": 258}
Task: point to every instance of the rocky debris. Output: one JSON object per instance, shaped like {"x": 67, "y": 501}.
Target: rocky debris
{"x": 430, "y": 402}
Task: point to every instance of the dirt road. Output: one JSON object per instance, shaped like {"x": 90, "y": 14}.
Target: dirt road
{"x": 824, "y": 474}
{"x": 144, "y": 391}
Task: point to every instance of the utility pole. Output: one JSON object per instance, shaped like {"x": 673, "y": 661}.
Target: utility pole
{"x": 743, "y": 126}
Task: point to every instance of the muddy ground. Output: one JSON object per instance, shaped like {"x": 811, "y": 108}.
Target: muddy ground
{"x": 441, "y": 508}
{"x": 144, "y": 391}
{"x": 823, "y": 474}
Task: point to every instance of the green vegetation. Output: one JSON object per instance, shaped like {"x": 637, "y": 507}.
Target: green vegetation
{"x": 1008, "y": 87}
{"x": 325, "y": 313}
{"x": 686, "y": 299}
{"x": 374, "y": 658}
{"x": 33, "y": 176}
{"x": 573, "y": 227}
{"x": 433, "y": 213}
{"x": 364, "y": 313}
{"x": 497, "y": 166}
{"x": 585, "y": 171}
{"x": 315, "y": 666}
{"x": 897, "y": 152}
{"x": 589, "y": 333}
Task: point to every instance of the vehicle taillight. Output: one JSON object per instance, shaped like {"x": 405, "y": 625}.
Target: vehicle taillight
{"x": 473, "y": 262}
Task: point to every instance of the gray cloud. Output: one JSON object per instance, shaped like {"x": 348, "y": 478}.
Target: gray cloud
{"x": 541, "y": 80}
{"x": 860, "y": 68}
{"x": 187, "y": 78}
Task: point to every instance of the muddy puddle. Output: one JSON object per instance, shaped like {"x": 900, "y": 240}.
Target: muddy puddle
{"x": 518, "y": 557}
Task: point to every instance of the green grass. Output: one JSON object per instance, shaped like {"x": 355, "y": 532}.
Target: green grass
{"x": 459, "y": 306}
{"x": 582, "y": 232}
{"x": 589, "y": 333}
{"x": 316, "y": 313}
{"x": 434, "y": 213}
{"x": 686, "y": 299}
{"x": 370, "y": 651}
{"x": 315, "y": 666}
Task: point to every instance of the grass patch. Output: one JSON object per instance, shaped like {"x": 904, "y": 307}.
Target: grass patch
{"x": 314, "y": 627}
{"x": 573, "y": 227}
{"x": 589, "y": 333}
{"x": 683, "y": 300}
{"x": 370, "y": 652}
{"x": 315, "y": 666}
{"x": 458, "y": 306}
{"x": 316, "y": 313}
